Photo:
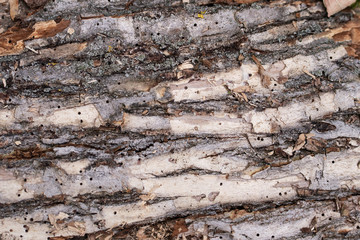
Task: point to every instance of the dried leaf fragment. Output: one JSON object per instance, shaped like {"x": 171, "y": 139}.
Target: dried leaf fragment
{"x": 212, "y": 196}
{"x": 334, "y": 6}
{"x": 265, "y": 79}
{"x": 14, "y": 8}
{"x": 12, "y": 41}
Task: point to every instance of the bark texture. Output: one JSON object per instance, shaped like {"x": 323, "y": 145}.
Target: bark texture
{"x": 155, "y": 119}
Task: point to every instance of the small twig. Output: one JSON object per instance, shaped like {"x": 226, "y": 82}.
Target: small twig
{"x": 31, "y": 49}
{"x": 129, "y": 3}
{"x": 247, "y": 139}
{"x": 103, "y": 35}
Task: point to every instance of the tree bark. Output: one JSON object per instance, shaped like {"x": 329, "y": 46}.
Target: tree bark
{"x": 179, "y": 120}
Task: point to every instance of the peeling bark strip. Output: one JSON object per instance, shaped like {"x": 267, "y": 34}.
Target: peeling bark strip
{"x": 179, "y": 120}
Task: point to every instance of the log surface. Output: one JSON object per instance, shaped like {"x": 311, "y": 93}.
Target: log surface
{"x": 155, "y": 119}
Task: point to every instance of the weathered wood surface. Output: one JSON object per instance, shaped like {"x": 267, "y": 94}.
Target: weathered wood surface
{"x": 146, "y": 120}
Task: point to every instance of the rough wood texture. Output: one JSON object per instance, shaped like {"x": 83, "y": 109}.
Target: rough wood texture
{"x": 184, "y": 119}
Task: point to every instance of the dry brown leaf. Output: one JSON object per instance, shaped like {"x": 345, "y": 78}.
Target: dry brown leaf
{"x": 334, "y": 6}
{"x": 77, "y": 227}
{"x": 35, "y": 3}
{"x": 355, "y": 35}
{"x": 242, "y": 89}
{"x": 265, "y": 79}
{"x": 300, "y": 142}
{"x": 11, "y": 41}
{"x": 245, "y": 97}
{"x": 14, "y": 8}
{"x": 212, "y": 196}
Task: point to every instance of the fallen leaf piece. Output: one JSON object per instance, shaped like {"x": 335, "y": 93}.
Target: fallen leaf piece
{"x": 14, "y": 8}
{"x": 199, "y": 197}
{"x": 335, "y": 6}
{"x": 12, "y": 41}
{"x": 265, "y": 79}
{"x": 324, "y": 127}
{"x": 300, "y": 142}
{"x": 35, "y": 3}
{"x": 212, "y": 196}
{"x": 315, "y": 145}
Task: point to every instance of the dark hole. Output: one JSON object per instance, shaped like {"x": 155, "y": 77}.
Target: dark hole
{"x": 186, "y": 87}
{"x": 100, "y": 187}
{"x": 137, "y": 28}
{"x": 26, "y": 230}
{"x": 56, "y": 179}
{"x": 221, "y": 184}
{"x": 357, "y": 227}
{"x": 275, "y": 84}
{"x": 195, "y": 24}
{"x": 323, "y": 72}
{"x": 80, "y": 171}
{"x": 107, "y": 101}
{"x": 258, "y": 138}
{"x": 25, "y": 179}
{"x": 151, "y": 34}
{"x": 109, "y": 63}
{"x": 25, "y": 219}
{"x": 41, "y": 125}
{"x": 257, "y": 235}
{"x": 267, "y": 196}
{"x": 250, "y": 74}
{"x": 81, "y": 183}
{"x": 330, "y": 219}
{"x": 330, "y": 57}
{"x": 262, "y": 139}
{"x": 118, "y": 83}
{"x": 280, "y": 194}
{"x": 79, "y": 113}
{"x": 272, "y": 236}
{"x": 10, "y": 41}
{"x": 21, "y": 236}
{"x": 285, "y": 193}
{"x": 19, "y": 195}
{"x": 216, "y": 23}
{"x": 81, "y": 121}
{"x": 2, "y": 17}
{"x": 31, "y": 219}
{"x": 333, "y": 162}
{"x": 58, "y": 106}
{"x": 45, "y": 9}
{"x": 115, "y": 213}
{"x": 26, "y": 213}
{"x": 97, "y": 24}
{"x": 323, "y": 214}
{"x": 91, "y": 179}
{"x": 9, "y": 99}
{"x": 158, "y": 34}
{"x": 182, "y": 37}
